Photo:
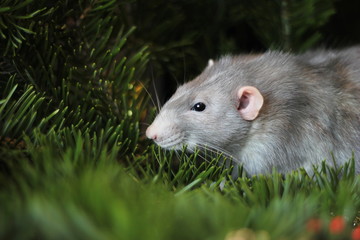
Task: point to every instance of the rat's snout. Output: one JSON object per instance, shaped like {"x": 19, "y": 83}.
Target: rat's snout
{"x": 164, "y": 132}
{"x": 151, "y": 132}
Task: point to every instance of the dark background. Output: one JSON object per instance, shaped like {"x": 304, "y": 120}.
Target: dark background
{"x": 182, "y": 35}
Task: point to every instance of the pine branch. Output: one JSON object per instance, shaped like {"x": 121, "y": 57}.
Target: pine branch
{"x": 14, "y": 25}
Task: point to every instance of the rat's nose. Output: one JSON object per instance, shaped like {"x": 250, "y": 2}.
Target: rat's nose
{"x": 150, "y": 133}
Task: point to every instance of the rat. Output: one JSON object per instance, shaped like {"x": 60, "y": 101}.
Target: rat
{"x": 273, "y": 110}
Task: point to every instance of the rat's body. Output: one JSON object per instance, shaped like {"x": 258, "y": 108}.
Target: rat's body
{"x": 268, "y": 111}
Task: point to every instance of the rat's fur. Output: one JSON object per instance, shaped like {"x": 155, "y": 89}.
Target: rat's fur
{"x": 311, "y": 110}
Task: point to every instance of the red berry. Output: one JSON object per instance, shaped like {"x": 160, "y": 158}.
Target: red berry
{"x": 314, "y": 225}
{"x": 337, "y": 225}
{"x": 356, "y": 234}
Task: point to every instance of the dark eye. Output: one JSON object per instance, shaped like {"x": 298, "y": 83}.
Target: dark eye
{"x": 199, "y": 107}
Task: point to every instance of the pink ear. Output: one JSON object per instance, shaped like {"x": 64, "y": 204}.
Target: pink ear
{"x": 250, "y": 102}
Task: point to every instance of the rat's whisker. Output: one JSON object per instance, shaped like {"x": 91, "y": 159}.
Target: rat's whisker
{"x": 156, "y": 96}
{"x": 147, "y": 91}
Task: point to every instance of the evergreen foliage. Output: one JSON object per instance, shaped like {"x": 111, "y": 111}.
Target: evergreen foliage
{"x": 74, "y": 163}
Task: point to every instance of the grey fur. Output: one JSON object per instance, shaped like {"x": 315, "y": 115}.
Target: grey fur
{"x": 311, "y": 110}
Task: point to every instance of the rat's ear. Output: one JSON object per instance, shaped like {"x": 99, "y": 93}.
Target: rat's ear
{"x": 250, "y": 102}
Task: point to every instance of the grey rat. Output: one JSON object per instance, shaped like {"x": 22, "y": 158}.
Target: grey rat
{"x": 272, "y": 110}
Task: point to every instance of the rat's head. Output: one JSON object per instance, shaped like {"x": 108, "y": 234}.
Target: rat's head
{"x": 211, "y": 111}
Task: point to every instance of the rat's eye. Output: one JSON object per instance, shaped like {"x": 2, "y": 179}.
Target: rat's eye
{"x": 199, "y": 107}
